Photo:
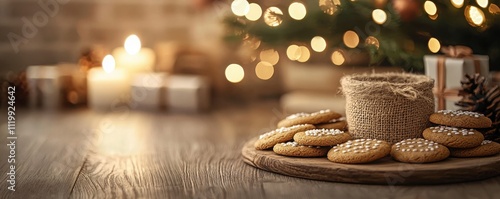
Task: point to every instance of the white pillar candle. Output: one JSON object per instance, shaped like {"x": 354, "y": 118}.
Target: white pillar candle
{"x": 107, "y": 87}
{"x": 132, "y": 58}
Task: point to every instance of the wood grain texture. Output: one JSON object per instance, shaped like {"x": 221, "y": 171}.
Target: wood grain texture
{"x": 385, "y": 171}
{"x": 49, "y": 154}
{"x": 133, "y": 154}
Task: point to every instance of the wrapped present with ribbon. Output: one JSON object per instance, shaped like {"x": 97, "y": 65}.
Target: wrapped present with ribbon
{"x": 450, "y": 68}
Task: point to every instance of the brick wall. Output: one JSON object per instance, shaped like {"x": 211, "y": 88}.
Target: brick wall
{"x": 52, "y": 31}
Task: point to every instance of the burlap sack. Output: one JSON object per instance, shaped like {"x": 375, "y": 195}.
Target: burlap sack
{"x": 388, "y": 106}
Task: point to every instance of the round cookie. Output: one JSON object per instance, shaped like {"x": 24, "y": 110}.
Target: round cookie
{"x": 463, "y": 119}
{"x": 296, "y": 150}
{"x": 322, "y": 137}
{"x": 339, "y": 123}
{"x": 418, "y": 150}
{"x": 487, "y": 148}
{"x": 283, "y": 134}
{"x": 359, "y": 151}
{"x": 306, "y": 118}
{"x": 454, "y": 137}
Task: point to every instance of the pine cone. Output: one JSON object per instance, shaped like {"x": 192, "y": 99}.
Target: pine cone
{"x": 477, "y": 97}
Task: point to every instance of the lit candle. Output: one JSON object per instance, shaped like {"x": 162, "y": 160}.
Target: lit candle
{"x": 107, "y": 87}
{"x": 132, "y": 58}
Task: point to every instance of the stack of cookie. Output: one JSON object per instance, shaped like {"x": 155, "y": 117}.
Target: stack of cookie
{"x": 457, "y": 131}
{"x": 320, "y": 134}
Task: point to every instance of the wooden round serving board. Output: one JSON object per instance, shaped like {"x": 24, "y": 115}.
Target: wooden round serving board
{"x": 385, "y": 171}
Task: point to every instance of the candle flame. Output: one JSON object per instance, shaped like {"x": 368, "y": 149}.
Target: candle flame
{"x": 108, "y": 64}
{"x": 132, "y": 44}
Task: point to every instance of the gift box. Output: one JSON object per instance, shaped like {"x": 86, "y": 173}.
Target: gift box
{"x": 187, "y": 93}
{"x": 148, "y": 91}
{"x": 48, "y": 86}
{"x": 447, "y": 70}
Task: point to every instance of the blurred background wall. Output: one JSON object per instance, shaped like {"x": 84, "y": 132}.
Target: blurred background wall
{"x": 57, "y": 30}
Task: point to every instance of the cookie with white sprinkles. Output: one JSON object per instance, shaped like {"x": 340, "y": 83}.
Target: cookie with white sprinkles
{"x": 454, "y": 137}
{"x": 309, "y": 118}
{"x": 487, "y": 148}
{"x": 418, "y": 150}
{"x": 322, "y": 137}
{"x": 294, "y": 149}
{"x": 464, "y": 119}
{"x": 359, "y": 151}
{"x": 339, "y": 123}
{"x": 283, "y": 134}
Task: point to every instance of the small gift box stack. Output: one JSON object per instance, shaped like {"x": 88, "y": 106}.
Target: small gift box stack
{"x": 447, "y": 70}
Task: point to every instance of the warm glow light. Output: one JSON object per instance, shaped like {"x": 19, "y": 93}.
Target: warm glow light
{"x": 270, "y": 55}
{"x": 351, "y": 39}
{"x": 234, "y": 73}
{"x": 108, "y": 64}
{"x": 482, "y": 3}
{"x": 371, "y": 40}
{"x": 297, "y": 11}
{"x": 273, "y": 16}
{"x": 338, "y": 58}
{"x": 240, "y": 7}
{"x": 305, "y": 54}
{"x": 474, "y": 16}
{"x": 434, "y": 45}
{"x": 494, "y": 9}
{"x": 379, "y": 16}
{"x": 264, "y": 70}
{"x": 430, "y": 8}
{"x": 457, "y": 3}
{"x": 293, "y": 52}
{"x": 254, "y": 12}
{"x": 318, "y": 44}
{"x": 329, "y": 6}
{"x": 132, "y": 44}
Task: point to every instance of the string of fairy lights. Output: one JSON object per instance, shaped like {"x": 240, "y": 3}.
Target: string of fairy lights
{"x": 273, "y": 17}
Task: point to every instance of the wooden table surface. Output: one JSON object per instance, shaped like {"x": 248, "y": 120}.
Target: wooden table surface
{"x": 134, "y": 154}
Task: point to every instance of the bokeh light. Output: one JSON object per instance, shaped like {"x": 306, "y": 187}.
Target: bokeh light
{"x": 430, "y": 8}
{"x": 329, "y": 6}
{"x": 482, "y": 3}
{"x": 457, "y": 3}
{"x": 234, "y": 73}
{"x": 379, "y": 16}
{"x": 434, "y": 45}
{"x": 305, "y": 54}
{"x": 351, "y": 39}
{"x": 273, "y": 16}
{"x": 318, "y": 44}
{"x": 264, "y": 70}
{"x": 254, "y": 13}
{"x": 297, "y": 10}
{"x": 494, "y": 9}
{"x": 293, "y": 52}
{"x": 474, "y": 16}
{"x": 270, "y": 55}
{"x": 240, "y": 7}
{"x": 372, "y": 41}
{"x": 338, "y": 58}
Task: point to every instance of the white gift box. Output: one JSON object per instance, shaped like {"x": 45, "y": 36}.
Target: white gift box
{"x": 187, "y": 93}
{"x": 47, "y": 86}
{"x": 455, "y": 69}
{"x": 147, "y": 91}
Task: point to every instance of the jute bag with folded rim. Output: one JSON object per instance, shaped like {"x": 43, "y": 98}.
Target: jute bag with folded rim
{"x": 388, "y": 106}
